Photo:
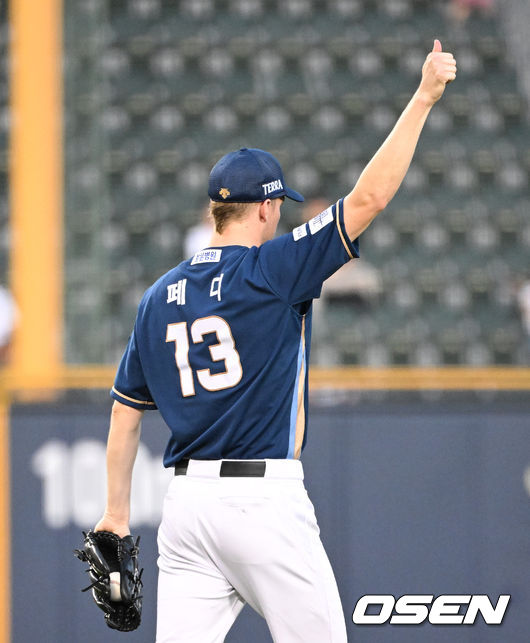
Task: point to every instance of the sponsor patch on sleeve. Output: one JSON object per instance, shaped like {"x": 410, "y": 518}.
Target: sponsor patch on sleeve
{"x": 300, "y": 232}
{"x": 207, "y": 256}
{"x": 321, "y": 220}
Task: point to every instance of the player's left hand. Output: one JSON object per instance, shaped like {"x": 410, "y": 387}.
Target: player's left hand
{"x": 107, "y": 523}
{"x": 438, "y": 69}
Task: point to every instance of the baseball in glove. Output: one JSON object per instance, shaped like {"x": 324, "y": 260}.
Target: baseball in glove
{"x": 116, "y": 579}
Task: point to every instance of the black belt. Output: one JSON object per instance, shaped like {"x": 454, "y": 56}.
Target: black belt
{"x": 231, "y": 468}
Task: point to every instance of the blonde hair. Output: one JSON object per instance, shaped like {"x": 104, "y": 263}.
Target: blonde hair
{"x": 223, "y": 213}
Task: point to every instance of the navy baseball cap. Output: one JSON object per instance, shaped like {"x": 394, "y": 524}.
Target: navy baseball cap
{"x": 248, "y": 176}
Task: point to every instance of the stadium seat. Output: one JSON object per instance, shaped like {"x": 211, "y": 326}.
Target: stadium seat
{"x": 478, "y": 354}
{"x": 455, "y": 296}
{"x": 347, "y": 9}
{"x": 376, "y": 354}
{"x": 433, "y": 236}
{"x": 405, "y": 297}
{"x": 512, "y": 177}
{"x": 144, "y": 9}
{"x": 426, "y": 354}
{"x": 202, "y": 9}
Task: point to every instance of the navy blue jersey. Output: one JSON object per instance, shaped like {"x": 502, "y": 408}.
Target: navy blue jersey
{"x": 221, "y": 344}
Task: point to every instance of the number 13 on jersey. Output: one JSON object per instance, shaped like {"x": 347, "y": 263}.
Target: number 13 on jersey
{"x": 223, "y": 350}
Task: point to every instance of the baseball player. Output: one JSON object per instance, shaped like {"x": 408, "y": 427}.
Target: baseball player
{"x": 220, "y": 347}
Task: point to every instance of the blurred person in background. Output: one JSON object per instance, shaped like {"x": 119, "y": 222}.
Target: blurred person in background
{"x": 198, "y": 236}
{"x": 357, "y": 283}
{"x": 461, "y": 10}
{"x": 7, "y": 324}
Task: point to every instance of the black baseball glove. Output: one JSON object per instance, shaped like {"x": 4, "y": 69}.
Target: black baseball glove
{"x": 106, "y": 553}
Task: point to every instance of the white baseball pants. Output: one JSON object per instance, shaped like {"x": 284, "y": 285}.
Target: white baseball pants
{"x": 226, "y": 541}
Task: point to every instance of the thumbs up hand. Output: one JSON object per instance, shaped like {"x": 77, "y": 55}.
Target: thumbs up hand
{"x": 437, "y": 46}
{"x": 438, "y": 70}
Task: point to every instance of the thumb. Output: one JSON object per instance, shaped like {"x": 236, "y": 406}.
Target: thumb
{"x": 437, "y": 45}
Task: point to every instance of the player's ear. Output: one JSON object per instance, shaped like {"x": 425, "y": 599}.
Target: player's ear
{"x": 264, "y": 210}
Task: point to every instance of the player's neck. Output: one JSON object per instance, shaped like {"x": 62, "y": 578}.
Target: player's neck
{"x": 238, "y": 233}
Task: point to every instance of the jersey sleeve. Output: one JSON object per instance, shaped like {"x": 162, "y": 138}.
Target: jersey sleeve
{"x": 130, "y": 387}
{"x": 296, "y": 264}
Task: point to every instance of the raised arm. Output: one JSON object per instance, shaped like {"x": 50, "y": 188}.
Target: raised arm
{"x": 122, "y": 446}
{"x": 383, "y": 175}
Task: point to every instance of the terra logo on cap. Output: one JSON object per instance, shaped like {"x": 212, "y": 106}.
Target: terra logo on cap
{"x": 248, "y": 176}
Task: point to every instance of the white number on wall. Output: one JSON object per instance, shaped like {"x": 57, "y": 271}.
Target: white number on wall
{"x": 73, "y": 481}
